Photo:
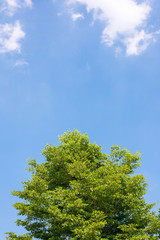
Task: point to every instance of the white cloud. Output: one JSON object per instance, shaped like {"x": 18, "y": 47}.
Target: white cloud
{"x": 11, "y": 33}
{"x": 10, "y": 36}
{"x": 9, "y": 6}
{"x": 125, "y": 21}
{"x": 76, "y": 16}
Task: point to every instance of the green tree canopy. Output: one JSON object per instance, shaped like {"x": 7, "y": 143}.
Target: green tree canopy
{"x": 81, "y": 193}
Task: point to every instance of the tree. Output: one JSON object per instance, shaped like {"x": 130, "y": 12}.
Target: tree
{"x": 81, "y": 193}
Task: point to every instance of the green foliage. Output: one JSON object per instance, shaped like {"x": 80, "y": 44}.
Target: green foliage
{"x": 81, "y": 193}
{"x": 13, "y": 236}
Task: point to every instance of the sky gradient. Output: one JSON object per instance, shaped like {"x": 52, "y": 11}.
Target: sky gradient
{"x": 77, "y": 64}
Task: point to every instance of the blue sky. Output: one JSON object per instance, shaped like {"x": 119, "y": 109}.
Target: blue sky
{"x": 80, "y": 64}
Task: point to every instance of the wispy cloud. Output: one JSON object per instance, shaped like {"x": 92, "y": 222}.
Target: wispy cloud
{"x": 138, "y": 43}
{"x": 125, "y": 22}
{"x": 11, "y": 6}
{"x": 20, "y": 62}
{"x": 10, "y": 36}
{"x": 28, "y": 3}
{"x": 76, "y": 16}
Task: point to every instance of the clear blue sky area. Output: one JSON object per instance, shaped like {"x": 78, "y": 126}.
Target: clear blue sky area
{"x": 81, "y": 64}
